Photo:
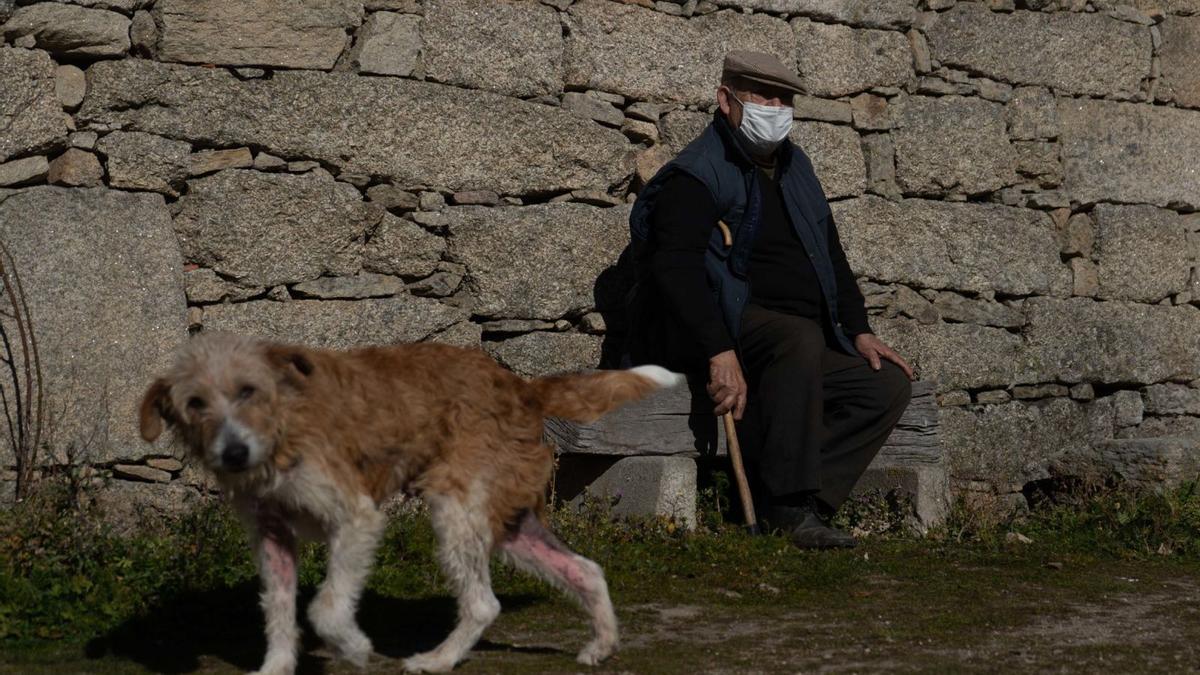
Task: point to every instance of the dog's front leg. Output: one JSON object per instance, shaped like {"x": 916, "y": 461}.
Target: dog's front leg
{"x": 351, "y": 552}
{"x": 275, "y": 550}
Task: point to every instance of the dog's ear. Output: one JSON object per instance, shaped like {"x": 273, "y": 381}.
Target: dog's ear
{"x": 293, "y": 363}
{"x": 155, "y": 409}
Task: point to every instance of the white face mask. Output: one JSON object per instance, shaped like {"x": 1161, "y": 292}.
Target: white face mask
{"x": 764, "y": 126}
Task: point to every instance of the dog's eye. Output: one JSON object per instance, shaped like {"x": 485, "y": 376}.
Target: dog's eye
{"x": 246, "y": 392}
{"x": 196, "y": 403}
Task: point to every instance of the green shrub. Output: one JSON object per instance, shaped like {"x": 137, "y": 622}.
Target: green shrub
{"x": 1109, "y": 519}
{"x": 1124, "y": 522}
{"x": 66, "y": 572}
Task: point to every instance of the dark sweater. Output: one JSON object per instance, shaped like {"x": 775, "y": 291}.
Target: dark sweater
{"x": 781, "y": 275}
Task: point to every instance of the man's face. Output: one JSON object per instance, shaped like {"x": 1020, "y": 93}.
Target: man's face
{"x": 749, "y": 92}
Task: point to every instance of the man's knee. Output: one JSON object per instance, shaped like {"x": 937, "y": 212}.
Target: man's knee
{"x": 889, "y": 391}
{"x": 895, "y": 389}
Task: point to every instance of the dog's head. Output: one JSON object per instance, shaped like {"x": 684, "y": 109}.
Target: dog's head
{"x": 223, "y": 398}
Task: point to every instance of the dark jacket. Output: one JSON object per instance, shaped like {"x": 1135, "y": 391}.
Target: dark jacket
{"x": 716, "y": 160}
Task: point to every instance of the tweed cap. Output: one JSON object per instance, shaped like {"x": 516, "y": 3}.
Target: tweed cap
{"x": 761, "y": 68}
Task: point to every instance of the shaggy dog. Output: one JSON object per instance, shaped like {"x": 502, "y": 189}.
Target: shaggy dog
{"x": 309, "y": 443}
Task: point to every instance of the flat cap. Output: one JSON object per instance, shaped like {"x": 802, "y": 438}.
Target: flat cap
{"x": 761, "y": 68}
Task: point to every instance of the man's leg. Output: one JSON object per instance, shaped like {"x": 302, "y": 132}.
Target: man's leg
{"x": 785, "y": 361}
{"x": 782, "y": 355}
{"x": 816, "y": 419}
{"x": 861, "y": 408}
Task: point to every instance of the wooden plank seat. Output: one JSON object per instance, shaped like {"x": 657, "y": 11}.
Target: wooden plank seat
{"x": 645, "y": 453}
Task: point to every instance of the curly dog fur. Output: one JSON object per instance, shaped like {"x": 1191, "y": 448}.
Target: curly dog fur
{"x": 309, "y": 443}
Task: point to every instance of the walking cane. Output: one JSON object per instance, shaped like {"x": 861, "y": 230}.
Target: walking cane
{"x": 739, "y": 473}
{"x": 735, "y": 450}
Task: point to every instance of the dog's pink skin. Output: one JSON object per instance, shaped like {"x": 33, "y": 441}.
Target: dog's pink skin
{"x": 563, "y": 563}
{"x": 535, "y": 549}
{"x": 280, "y": 560}
{"x": 279, "y": 547}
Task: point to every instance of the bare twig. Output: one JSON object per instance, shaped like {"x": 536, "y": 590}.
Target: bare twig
{"x": 25, "y": 426}
{"x": 16, "y": 426}
{"x": 37, "y": 382}
{"x": 8, "y": 417}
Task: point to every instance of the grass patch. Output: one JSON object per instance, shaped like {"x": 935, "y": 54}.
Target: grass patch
{"x": 181, "y": 596}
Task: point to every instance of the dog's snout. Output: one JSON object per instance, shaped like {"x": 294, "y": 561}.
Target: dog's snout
{"x": 234, "y": 448}
{"x": 235, "y": 454}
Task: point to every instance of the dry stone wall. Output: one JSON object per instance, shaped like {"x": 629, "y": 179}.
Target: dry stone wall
{"x": 1015, "y": 183}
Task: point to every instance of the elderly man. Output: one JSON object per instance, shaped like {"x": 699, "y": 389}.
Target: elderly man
{"x": 743, "y": 277}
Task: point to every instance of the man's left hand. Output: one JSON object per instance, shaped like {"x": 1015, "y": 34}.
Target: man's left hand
{"x": 873, "y": 350}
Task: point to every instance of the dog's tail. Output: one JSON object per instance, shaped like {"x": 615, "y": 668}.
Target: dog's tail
{"x": 584, "y": 397}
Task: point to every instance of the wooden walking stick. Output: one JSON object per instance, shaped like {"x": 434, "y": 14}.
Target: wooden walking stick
{"x": 735, "y": 450}
{"x": 739, "y": 473}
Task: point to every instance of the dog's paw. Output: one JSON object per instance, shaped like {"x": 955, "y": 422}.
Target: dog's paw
{"x": 347, "y": 641}
{"x": 274, "y": 670}
{"x": 356, "y": 649}
{"x": 429, "y": 662}
{"x": 277, "y": 665}
{"x": 595, "y": 652}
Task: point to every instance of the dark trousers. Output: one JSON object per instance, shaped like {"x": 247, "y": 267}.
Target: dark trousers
{"x": 816, "y": 416}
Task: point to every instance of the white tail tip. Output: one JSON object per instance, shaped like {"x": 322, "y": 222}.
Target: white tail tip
{"x": 659, "y": 375}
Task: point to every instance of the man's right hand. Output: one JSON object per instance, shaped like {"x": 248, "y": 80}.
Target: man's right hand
{"x": 726, "y": 385}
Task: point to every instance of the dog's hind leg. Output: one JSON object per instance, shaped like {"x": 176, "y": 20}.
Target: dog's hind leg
{"x": 464, "y": 548}
{"x": 533, "y": 548}
{"x": 275, "y": 551}
{"x": 332, "y": 611}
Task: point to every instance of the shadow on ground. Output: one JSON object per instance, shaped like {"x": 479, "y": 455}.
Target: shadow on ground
{"x": 181, "y": 635}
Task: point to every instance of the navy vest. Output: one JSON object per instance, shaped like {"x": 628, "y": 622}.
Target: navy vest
{"x": 717, "y": 161}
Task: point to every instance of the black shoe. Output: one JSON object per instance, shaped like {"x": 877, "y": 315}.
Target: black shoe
{"x": 806, "y": 529}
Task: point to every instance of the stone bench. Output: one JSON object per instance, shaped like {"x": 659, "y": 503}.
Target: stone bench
{"x": 644, "y": 454}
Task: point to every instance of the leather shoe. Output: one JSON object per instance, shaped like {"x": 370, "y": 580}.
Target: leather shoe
{"x": 806, "y": 529}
